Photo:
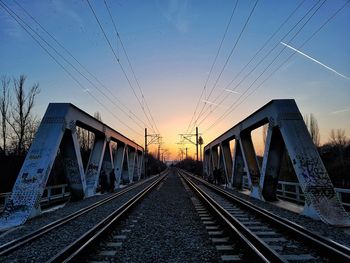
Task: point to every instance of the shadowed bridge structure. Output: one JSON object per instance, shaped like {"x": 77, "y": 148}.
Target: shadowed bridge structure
{"x": 113, "y": 151}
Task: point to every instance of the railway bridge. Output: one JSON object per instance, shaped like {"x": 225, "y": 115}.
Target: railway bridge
{"x": 239, "y": 227}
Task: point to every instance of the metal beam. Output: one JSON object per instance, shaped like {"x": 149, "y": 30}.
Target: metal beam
{"x": 58, "y": 130}
{"x": 286, "y": 126}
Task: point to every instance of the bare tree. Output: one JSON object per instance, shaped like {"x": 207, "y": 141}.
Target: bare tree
{"x": 339, "y": 141}
{"x": 22, "y": 118}
{"x": 4, "y": 109}
{"x": 312, "y": 125}
{"x": 338, "y": 138}
{"x": 98, "y": 116}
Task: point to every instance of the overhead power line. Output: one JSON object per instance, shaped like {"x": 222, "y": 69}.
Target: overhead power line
{"x": 130, "y": 65}
{"x": 228, "y": 59}
{"x": 317, "y": 6}
{"x": 236, "y": 104}
{"x": 213, "y": 64}
{"x": 127, "y": 111}
{"x": 118, "y": 62}
{"x": 27, "y": 28}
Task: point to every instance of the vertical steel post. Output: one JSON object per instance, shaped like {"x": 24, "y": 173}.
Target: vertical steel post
{"x": 146, "y": 154}
{"x": 197, "y": 144}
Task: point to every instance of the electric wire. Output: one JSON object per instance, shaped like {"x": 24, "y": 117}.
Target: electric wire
{"x": 234, "y": 106}
{"x": 118, "y": 61}
{"x": 213, "y": 64}
{"x": 77, "y": 70}
{"x": 270, "y": 51}
{"x": 229, "y": 56}
{"x": 83, "y": 67}
{"x": 130, "y": 65}
{"x": 294, "y": 52}
{"x": 26, "y": 28}
{"x": 252, "y": 58}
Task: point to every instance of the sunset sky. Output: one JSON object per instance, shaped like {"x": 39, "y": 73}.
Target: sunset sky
{"x": 172, "y": 46}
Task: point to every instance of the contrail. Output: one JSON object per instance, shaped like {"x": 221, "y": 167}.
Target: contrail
{"x": 340, "y": 111}
{"x": 318, "y": 62}
{"x": 232, "y": 91}
{"x": 212, "y": 103}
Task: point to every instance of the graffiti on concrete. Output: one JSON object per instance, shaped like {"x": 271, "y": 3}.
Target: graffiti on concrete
{"x": 316, "y": 179}
{"x": 72, "y": 171}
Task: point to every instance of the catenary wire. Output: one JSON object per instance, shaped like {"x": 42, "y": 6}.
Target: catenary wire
{"x": 130, "y": 65}
{"x": 233, "y": 107}
{"x": 269, "y": 52}
{"x": 212, "y": 65}
{"x": 118, "y": 61}
{"x": 83, "y": 67}
{"x": 23, "y": 25}
{"x": 228, "y": 58}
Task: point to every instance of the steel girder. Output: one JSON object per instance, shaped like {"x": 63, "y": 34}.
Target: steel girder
{"x": 57, "y": 132}
{"x": 286, "y": 130}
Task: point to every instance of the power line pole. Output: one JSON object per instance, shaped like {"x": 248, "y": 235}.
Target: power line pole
{"x": 200, "y": 142}
{"x": 146, "y": 153}
{"x": 155, "y": 138}
{"x": 188, "y": 138}
{"x": 197, "y": 144}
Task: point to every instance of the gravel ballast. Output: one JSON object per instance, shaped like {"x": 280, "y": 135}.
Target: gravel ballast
{"x": 338, "y": 234}
{"x": 167, "y": 229}
{"x": 46, "y": 247}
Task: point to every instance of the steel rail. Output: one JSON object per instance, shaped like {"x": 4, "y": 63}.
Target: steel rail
{"x": 261, "y": 251}
{"x": 19, "y": 242}
{"x": 76, "y": 250}
{"x": 323, "y": 245}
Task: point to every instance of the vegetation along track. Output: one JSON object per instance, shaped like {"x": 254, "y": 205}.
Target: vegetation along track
{"x": 263, "y": 234}
{"x": 37, "y": 244}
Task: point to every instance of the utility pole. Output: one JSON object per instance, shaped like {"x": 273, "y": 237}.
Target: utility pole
{"x": 146, "y": 153}
{"x": 155, "y": 138}
{"x": 158, "y": 151}
{"x": 200, "y": 142}
{"x": 186, "y": 153}
{"x": 188, "y": 137}
{"x": 197, "y": 144}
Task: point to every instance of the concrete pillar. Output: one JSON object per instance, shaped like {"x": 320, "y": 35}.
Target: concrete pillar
{"x": 107, "y": 163}
{"x": 214, "y": 157}
{"x": 73, "y": 165}
{"x": 118, "y": 163}
{"x": 274, "y": 148}
{"x": 139, "y": 169}
{"x": 238, "y": 167}
{"x": 131, "y": 164}
{"x": 206, "y": 163}
{"x": 24, "y": 201}
{"x": 226, "y": 158}
{"x": 94, "y": 165}
{"x": 251, "y": 163}
{"x": 321, "y": 200}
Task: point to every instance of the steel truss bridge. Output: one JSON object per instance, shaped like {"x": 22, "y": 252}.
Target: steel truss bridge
{"x": 111, "y": 150}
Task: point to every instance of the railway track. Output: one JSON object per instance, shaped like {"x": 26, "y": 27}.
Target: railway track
{"x": 125, "y": 197}
{"x": 159, "y": 228}
{"x": 264, "y": 236}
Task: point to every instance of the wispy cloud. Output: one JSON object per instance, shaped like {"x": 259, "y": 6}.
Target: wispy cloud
{"x": 62, "y": 9}
{"x": 340, "y": 111}
{"x": 315, "y": 60}
{"x": 176, "y": 11}
{"x": 9, "y": 26}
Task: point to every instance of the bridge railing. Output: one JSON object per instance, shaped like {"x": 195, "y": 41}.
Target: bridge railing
{"x": 291, "y": 191}
{"x": 51, "y": 194}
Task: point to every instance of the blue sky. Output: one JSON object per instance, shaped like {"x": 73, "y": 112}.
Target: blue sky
{"x": 172, "y": 45}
